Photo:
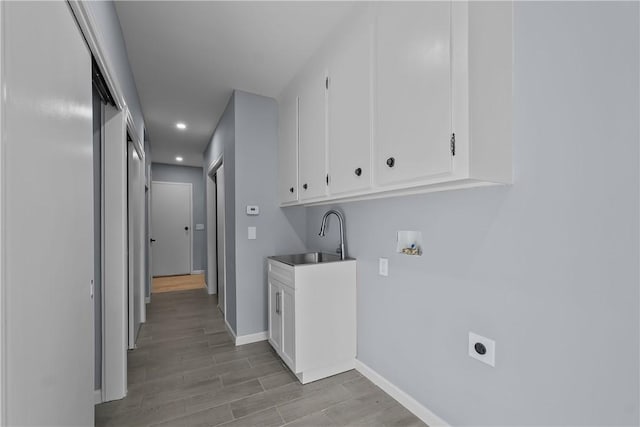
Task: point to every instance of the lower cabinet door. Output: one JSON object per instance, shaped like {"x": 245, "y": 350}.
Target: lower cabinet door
{"x": 275, "y": 317}
{"x": 288, "y": 352}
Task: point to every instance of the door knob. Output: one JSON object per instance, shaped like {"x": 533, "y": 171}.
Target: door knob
{"x": 186, "y": 229}
{"x": 291, "y": 190}
{"x": 391, "y": 161}
{"x": 305, "y": 186}
{"x": 358, "y": 171}
{"x": 152, "y": 240}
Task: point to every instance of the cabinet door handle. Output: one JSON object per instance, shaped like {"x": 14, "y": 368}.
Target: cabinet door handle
{"x": 305, "y": 186}
{"x": 391, "y": 162}
{"x": 291, "y": 190}
{"x": 277, "y": 302}
{"x": 358, "y": 171}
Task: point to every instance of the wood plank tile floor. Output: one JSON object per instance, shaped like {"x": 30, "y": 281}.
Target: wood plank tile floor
{"x": 177, "y": 283}
{"x": 186, "y": 371}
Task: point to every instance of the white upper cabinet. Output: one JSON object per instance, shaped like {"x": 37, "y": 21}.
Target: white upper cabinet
{"x": 349, "y": 142}
{"x": 418, "y": 99}
{"x": 413, "y": 91}
{"x": 288, "y": 149}
{"x": 312, "y": 135}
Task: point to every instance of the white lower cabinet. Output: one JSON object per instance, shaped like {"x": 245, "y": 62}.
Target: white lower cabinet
{"x": 312, "y": 317}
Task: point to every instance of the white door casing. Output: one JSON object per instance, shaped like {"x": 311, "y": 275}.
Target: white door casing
{"x": 171, "y": 228}
{"x": 212, "y": 271}
{"x": 136, "y": 238}
{"x": 48, "y": 217}
{"x": 220, "y": 220}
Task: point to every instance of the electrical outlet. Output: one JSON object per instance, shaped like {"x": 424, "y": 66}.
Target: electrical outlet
{"x": 383, "y": 267}
{"x": 482, "y": 349}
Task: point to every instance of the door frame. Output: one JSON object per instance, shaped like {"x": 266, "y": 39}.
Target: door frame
{"x": 212, "y": 169}
{"x": 190, "y": 185}
{"x": 149, "y": 276}
{"x": 211, "y": 278}
{"x": 3, "y": 346}
{"x": 135, "y": 212}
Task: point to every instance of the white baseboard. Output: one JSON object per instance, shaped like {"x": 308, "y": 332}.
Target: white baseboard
{"x": 311, "y": 375}
{"x": 97, "y": 396}
{"x": 197, "y": 271}
{"x": 403, "y": 398}
{"x": 248, "y": 339}
{"x": 229, "y": 330}
{"x": 209, "y": 291}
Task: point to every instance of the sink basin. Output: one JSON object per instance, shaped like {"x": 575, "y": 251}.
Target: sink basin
{"x": 308, "y": 258}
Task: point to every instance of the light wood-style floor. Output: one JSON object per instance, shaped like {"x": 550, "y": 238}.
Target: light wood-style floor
{"x": 186, "y": 371}
{"x": 178, "y": 283}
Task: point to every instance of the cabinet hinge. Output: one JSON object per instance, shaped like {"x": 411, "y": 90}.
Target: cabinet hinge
{"x": 326, "y": 82}
{"x": 453, "y": 144}
{"x": 327, "y": 179}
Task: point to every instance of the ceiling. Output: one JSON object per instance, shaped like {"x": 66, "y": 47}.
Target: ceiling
{"x": 187, "y": 57}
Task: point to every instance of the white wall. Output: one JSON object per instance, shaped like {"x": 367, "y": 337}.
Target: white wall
{"x": 547, "y": 267}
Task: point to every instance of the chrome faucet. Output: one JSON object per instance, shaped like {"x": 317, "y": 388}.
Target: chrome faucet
{"x": 341, "y": 221}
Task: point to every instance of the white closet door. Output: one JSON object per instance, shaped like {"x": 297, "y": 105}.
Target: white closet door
{"x": 48, "y": 223}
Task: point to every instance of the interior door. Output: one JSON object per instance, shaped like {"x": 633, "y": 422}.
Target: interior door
{"x": 221, "y": 246}
{"x": 171, "y": 228}
{"x": 47, "y": 200}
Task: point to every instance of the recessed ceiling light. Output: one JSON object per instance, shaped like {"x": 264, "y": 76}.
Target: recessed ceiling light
{"x": 181, "y": 125}
{"x": 179, "y": 158}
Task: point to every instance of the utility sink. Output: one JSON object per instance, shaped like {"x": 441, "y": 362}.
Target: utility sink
{"x": 308, "y": 258}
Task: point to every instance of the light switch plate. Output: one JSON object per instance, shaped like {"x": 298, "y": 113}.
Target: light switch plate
{"x": 253, "y": 210}
{"x": 251, "y": 233}
{"x": 383, "y": 267}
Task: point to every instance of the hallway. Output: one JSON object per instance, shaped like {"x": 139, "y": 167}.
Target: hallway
{"x": 186, "y": 371}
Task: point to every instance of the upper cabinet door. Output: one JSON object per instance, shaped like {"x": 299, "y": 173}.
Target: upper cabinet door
{"x": 312, "y": 136}
{"x": 412, "y": 92}
{"x": 288, "y": 149}
{"x": 349, "y": 100}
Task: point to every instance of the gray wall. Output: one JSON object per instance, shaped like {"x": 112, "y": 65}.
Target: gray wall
{"x": 194, "y": 176}
{"x": 547, "y": 267}
{"x": 278, "y": 231}
{"x": 223, "y": 144}
{"x": 247, "y": 134}
{"x": 108, "y": 27}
